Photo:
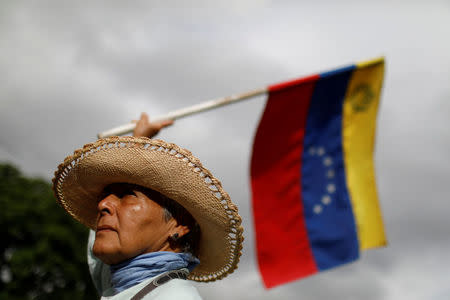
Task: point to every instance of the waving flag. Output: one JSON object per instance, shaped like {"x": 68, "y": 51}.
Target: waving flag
{"x": 312, "y": 173}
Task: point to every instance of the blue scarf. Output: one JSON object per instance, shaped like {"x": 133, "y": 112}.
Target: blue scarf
{"x": 135, "y": 270}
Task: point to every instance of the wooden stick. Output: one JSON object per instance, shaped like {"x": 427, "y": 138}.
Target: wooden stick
{"x": 187, "y": 111}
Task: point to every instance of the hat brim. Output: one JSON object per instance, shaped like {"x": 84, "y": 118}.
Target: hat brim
{"x": 163, "y": 167}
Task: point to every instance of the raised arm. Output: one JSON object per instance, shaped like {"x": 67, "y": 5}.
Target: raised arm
{"x": 149, "y": 129}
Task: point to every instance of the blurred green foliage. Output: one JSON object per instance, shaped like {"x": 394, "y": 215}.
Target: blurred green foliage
{"x": 43, "y": 250}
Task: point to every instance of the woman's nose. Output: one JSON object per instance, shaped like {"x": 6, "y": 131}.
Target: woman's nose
{"x": 107, "y": 205}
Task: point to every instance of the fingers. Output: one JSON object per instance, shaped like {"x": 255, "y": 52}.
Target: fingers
{"x": 144, "y": 117}
{"x": 164, "y": 123}
{"x": 149, "y": 129}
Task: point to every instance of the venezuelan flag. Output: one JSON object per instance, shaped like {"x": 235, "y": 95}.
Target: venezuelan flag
{"x": 314, "y": 194}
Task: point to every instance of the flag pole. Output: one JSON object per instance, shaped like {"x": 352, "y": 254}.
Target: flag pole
{"x": 187, "y": 111}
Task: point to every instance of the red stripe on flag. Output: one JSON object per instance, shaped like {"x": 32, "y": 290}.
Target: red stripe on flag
{"x": 282, "y": 244}
{"x": 293, "y": 83}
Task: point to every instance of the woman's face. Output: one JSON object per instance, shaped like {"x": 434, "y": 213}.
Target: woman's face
{"x": 129, "y": 224}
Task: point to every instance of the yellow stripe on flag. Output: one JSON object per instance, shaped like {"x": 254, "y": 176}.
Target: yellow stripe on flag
{"x": 359, "y": 124}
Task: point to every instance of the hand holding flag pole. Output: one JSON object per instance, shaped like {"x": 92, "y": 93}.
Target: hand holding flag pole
{"x": 180, "y": 113}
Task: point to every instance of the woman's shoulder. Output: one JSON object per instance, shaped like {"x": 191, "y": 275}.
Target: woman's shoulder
{"x": 175, "y": 289}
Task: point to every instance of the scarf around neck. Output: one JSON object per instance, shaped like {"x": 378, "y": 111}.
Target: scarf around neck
{"x": 135, "y": 270}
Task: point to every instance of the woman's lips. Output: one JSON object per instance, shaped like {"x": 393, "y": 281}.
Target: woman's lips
{"x": 105, "y": 228}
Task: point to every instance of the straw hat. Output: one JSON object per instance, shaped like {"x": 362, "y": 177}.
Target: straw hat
{"x": 168, "y": 169}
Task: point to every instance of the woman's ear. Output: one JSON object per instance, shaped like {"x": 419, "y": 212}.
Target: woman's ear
{"x": 175, "y": 235}
{"x": 179, "y": 231}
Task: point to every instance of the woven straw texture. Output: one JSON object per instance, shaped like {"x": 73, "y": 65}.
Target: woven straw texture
{"x": 163, "y": 167}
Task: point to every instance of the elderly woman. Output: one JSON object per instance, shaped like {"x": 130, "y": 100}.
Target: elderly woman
{"x": 159, "y": 216}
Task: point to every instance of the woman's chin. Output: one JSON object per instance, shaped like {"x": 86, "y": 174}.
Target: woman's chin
{"x": 106, "y": 253}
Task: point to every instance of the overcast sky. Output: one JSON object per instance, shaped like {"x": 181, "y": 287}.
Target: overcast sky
{"x": 70, "y": 71}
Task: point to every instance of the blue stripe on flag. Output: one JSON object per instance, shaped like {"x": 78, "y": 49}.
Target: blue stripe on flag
{"x": 327, "y": 207}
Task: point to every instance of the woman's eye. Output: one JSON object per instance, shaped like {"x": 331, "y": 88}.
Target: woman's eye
{"x": 119, "y": 190}
{"x": 128, "y": 192}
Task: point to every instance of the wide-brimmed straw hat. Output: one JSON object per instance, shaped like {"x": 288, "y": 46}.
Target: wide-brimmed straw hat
{"x": 163, "y": 167}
